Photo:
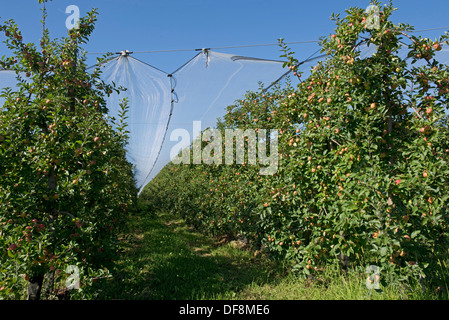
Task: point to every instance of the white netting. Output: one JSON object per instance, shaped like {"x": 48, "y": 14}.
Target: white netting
{"x": 148, "y": 93}
{"x": 202, "y": 89}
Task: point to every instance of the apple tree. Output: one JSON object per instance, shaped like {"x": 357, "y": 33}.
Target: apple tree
{"x": 370, "y": 149}
{"x": 65, "y": 183}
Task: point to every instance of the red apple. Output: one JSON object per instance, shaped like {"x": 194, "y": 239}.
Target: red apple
{"x": 437, "y": 47}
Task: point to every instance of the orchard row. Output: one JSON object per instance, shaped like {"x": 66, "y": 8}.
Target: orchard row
{"x": 363, "y": 160}
{"x": 65, "y": 183}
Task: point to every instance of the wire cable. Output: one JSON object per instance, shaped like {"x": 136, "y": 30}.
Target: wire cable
{"x": 250, "y": 45}
{"x": 215, "y": 48}
{"x": 432, "y": 29}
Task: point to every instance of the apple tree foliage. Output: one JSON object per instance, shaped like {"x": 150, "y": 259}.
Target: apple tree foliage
{"x": 363, "y": 159}
{"x": 65, "y": 183}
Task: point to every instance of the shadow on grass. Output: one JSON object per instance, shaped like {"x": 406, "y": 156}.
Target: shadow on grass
{"x": 163, "y": 259}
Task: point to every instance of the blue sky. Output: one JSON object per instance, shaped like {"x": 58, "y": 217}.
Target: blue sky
{"x": 139, "y": 25}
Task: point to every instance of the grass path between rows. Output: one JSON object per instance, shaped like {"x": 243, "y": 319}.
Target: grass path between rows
{"x": 164, "y": 259}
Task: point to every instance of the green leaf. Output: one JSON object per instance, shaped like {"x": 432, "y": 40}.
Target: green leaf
{"x": 415, "y": 233}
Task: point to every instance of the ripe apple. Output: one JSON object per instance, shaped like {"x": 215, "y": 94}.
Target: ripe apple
{"x": 437, "y": 47}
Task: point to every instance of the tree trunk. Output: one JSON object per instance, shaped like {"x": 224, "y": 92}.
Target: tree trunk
{"x": 35, "y": 287}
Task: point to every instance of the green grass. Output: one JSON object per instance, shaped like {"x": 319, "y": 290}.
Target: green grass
{"x": 164, "y": 259}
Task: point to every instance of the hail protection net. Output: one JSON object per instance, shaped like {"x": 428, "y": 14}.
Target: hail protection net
{"x": 163, "y": 104}
{"x": 199, "y": 91}
{"x": 148, "y": 95}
